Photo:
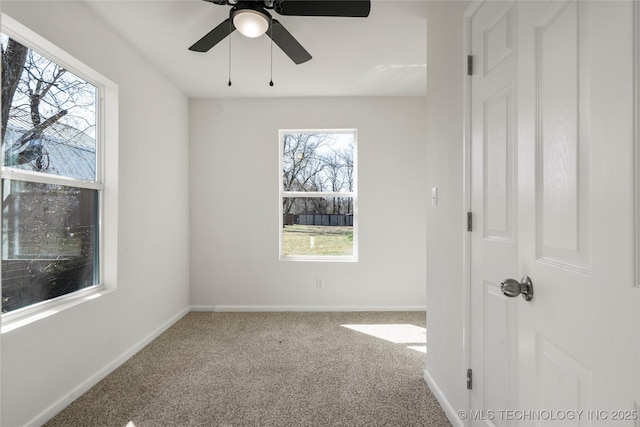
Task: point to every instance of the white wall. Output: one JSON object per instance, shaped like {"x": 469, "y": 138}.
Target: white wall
{"x": 446, "y": 362}
{"x": 234, "y": 205}
{"x": 47, "y": 363}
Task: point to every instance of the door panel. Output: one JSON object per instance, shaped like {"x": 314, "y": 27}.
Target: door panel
{"x": 499, "y": 343}
{"x": 562, "y": 87}
{"x": 564, "y": 383}
{"x": 498, "y": 148}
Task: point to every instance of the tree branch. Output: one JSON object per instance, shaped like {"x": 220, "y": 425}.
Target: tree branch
{"x": 13, "y": 60}
{"x": 38, "y": 129}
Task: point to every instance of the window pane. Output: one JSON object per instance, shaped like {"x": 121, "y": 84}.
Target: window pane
{"x": 318, "y": 162}
{"x": 317, "y": 226}
{"x": 50, "y": 125}
{"x": 49, "y": 241}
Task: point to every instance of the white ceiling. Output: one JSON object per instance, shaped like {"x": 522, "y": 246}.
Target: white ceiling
{"x": 382, "y": 55}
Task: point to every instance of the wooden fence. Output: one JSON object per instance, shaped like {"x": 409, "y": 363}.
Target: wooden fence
{"x": 335, "y": 220}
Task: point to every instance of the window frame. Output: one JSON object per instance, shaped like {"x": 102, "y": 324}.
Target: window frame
{"x": 105, "y": 183}
{"x": 320, "y": 194}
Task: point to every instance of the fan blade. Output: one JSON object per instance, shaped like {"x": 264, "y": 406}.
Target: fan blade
{"x": 346, "y": 8}
{"x": 287, "y": 43}
{"x": 214, "y": 36}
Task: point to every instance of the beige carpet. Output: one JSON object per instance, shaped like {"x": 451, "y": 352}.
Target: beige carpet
{"x": 268, "y": 369}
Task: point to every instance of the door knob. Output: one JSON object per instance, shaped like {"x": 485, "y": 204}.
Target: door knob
{"x": 513, "y": 288}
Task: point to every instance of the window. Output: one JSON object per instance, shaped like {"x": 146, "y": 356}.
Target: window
{"x": 52, "y": 170}
{"x": 318, "y": 197}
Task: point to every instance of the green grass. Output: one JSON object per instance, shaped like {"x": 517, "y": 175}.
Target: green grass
{"x": 317, "y": 240}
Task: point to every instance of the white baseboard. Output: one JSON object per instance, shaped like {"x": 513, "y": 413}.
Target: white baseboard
{"x": 51, "y": 411}
{"x": 275, "y": 308}
{"x": 449, "y": 410}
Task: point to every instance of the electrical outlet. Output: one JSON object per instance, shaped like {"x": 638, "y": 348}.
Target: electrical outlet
{"x": 319, "y": 283}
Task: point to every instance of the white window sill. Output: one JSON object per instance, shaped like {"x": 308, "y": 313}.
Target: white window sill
{"x": 27, "y": 315}
{"x": 319, "y": 258}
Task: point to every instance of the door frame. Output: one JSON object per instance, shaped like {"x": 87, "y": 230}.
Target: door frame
{"x": 636, "y": 163}
{"x": 636, "y": 137}
{"x": 470, "y": 11}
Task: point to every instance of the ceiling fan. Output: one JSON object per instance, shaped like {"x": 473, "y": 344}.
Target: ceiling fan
{"x": 250, "y": 17}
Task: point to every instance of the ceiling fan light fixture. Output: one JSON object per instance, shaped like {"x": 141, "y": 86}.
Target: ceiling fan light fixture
{"x": 251, "y": 23}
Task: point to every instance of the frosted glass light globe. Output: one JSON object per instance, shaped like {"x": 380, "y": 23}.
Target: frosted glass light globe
{"x": 250, "y": 23}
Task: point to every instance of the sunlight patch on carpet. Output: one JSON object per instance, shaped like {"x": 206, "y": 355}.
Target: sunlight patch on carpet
{"x": 396, "y": 333}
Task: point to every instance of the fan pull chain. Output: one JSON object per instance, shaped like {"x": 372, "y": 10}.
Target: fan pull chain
{"x": 230, "y": 31}
{"x": 271, "y": 29}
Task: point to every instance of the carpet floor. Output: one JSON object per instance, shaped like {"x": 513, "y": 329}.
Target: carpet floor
{"x": 270, "y": 369}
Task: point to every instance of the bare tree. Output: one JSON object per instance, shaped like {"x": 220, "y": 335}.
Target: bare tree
{"x": 14, "y": 56}
{"x": 40, "y": 96}
{"x": 302, "y": 164}
{"x": 338, "y": 172}
{"x": 346, "y": 158}
{"x": 333, "y": 173}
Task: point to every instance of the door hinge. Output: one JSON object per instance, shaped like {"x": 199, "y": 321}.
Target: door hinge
{"x": 469, "y": 65}
{"x": 469, "y": 221}
{"x": 469, "y": 379}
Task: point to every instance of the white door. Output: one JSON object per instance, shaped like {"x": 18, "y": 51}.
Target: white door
{"x": 494, "y": 240}
{"x": 566, "y": 153}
